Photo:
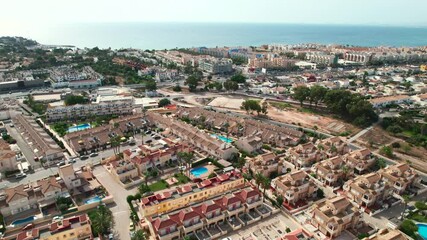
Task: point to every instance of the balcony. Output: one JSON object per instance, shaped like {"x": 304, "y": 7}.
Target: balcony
{"x": 193, "y": 227}
{"x": 235, "y": 211}
{"x": 169, "y": 236}
{"x": 214, "y": 219}
{"x": 254, "y": 204}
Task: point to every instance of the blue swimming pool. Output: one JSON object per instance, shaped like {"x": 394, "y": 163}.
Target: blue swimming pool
{"x": 93, "y": 200}
{"x": 23, "y": 221}
{"x": 78, "y": 127}
{"x": 222, "y": 138}
{"x": 197, "y": 172}
{"x": 422, "y": 230}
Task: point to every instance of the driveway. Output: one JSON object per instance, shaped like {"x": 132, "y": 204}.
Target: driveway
{"x": 120, "y": 210}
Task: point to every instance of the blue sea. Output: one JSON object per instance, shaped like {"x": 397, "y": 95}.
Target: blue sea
{"x": 172, "y": 35}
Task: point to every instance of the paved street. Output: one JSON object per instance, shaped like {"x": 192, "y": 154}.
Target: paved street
{"x": 25, "y": 148}
{"x": 120, "y": 209}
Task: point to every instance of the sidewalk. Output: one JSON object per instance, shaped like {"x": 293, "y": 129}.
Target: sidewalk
{"x": 70, "y": 150}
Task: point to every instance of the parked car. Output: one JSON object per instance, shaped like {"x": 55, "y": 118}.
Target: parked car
{"x": 110, "y": 236}
{"x": 61, "y": 163}
{"x": 57, "y": 218}
{"x": 20, "y": 175}
{"x": 72, "y": 160}
{"x": 36, "y": 159}
{"x": 93, "y": 155}
{"x": 28, "y": 226}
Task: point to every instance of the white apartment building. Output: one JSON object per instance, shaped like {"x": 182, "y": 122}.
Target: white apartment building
{"x": 105, "y": 105}
{"x": 216, "y": 66}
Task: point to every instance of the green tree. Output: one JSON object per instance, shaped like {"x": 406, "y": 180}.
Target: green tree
{"x": 75, "y": 99}
{"x": 258, "y": 179}
{"x": 164, "y": 102}
{"x": 387, "y": 151}
{"x": 139, "y": 235}
{"x": 102, "y": 220}
{"x": 238, "y": 78}
{"x": 192, "y": 81}
{"x": 317, "y": 93}
{"x": 231, "y": 85}
{"x": 151, "y": 85}
{"x": 265, "y": 183}
{"x": 251, "y": 105}
{"x": 279, "y": 200}
{"x": 177, "y": 88}
{"x": 264, "y": 108}
{"x": 301, "y": 93}
{"x": 218, "y": 86}
{"x": 409, "y": 228}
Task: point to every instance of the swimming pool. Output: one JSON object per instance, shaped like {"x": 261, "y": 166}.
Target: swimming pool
{"x": 93, "y": 200}
{"x": 222, "y": 138}
{"x": 78, "y": 127}
{"x": 24, "y": 220}
{"x": 197, "y": 172}
{"x": 422, "y": 230}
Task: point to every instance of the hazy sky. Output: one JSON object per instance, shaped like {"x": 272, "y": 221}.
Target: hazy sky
{"x": 373, "y": 12}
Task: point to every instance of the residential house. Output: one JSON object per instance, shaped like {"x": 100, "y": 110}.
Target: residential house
{"x": 332, "y": 171}
{"x": 334, "y": 215}
{"x": 249, "y": 144}
{"x": 266, "y": 164}
{"x": 173, "y": 199}
{"x": 33, "y": 195}
{"x": 360, "y": 160}
{"x": 78, "y": 181}
{"x": 123, "y": 170}
{"x": 388, "y": 234}
{"x": 7, "y": 157}
{"x": 367, "y": 190}
{"x": 400, "y": 177}
{"x": 304, "y": 155}
{"x": 41, "y": 143}
{"x": 333, "y": 146}
{"x": 295, "y": 186}
{"x": 75, "y": 227}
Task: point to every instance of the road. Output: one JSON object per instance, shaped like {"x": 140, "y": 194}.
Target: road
{"x": 120, "y": 210}
{"x": 359, "y": 134}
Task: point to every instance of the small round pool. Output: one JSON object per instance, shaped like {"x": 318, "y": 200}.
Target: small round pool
{"x": 197, "y": 172}
{"x": 422, "y": 230}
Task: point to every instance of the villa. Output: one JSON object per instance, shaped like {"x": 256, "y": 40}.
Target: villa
{"x": 333, "y": 216}
{"x": 332, "y": 171}
{"x": 266, "y": 164}
{"x": 333, "y": 146}
{"x": 304, "y": 155}
{"x": 249, "y": 144}
{"x": 295, "y": 187}
{"x": 360, "y": 160}
{"x": 400, "y": 177}
{"x": 367, "y": 190}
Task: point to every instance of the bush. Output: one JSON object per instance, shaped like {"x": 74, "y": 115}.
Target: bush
{"x": 409, "y": 228}
{"x": 421, "y": 206}
{"x": 11, "y": 172}
{"x": 395, "y": 145}
{"x": 288, "y": 230}
{"x": 387, "y": 151}
{"x": 129, "y": 199}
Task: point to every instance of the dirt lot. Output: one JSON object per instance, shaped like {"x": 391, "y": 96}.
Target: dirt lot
{"x": 294, "y": 115}
{"x": 377, "y": 137}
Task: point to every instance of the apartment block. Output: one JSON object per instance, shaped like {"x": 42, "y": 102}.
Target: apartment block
{"x": 43, "y": 145}
{"x": 76, "y": 227}
{"x": 384, "y": 101}
{"x": 7, "y": 157}
{"x": 295, "y": 186}
{"x": 192, "y": 135}
{"x": 400, "y": 177}
{"x": 216, "y": 66}
{"x": 110, "y": 105}
{"x": 367, "y": 190}
{"x": 33, "y": 195}
{"x": 67, "y": 76}
{"x": 333, "y": 216}
{"x": 170, "y": 200}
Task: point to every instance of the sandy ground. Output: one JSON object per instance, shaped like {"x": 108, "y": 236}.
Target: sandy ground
{"x": 224, "y": 102}
{"x": 325, "y": 124}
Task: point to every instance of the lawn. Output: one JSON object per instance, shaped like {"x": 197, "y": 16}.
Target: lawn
{"x": 280, "y": 105}
{"x": 181, "y": 178}
{"x": 160, "y": 185}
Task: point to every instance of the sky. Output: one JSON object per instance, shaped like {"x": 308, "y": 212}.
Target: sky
{"x": 358, "y": 12}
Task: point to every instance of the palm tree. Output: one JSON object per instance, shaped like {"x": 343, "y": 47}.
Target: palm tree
{"x": 139, "y": 235}
{"x": 186, "y": 157}
{"x": 102, "y": 220}
{"x": 258, "y": 178}
{"x": 265, "y": 183}
{"x": 225, "y": 126}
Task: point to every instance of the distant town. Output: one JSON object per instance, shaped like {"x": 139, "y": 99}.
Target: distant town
{"x": 305, "y": 141}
